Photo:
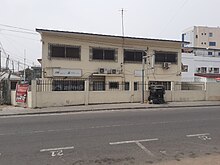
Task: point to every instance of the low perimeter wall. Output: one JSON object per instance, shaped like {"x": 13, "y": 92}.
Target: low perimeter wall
{"x": 64, "y": 98}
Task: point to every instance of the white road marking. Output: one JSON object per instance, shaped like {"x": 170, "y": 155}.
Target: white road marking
{"x": 137, "y": 142}
{"x": 204, "y": 136}
{"x": 39, "y": 131}
{"x": 196, "y": 135}
{"x": 133, "y": 141}
{"x": 145, "y": 149}
{"x": 56, "y": 149}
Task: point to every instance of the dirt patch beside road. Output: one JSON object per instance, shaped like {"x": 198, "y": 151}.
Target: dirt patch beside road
{"x": 205, "y": 160}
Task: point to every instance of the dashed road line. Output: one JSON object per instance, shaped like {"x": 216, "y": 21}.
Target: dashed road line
{"x": 55, "y": 149}
{"x": 132, "y": 141}
{"x": 196, "y": 135}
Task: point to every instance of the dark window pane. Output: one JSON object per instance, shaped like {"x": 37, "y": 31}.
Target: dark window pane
{"x": 165, "y": 57}
{"x": 98, "y": 86}
{"x": 135, "y": 86}
{"x": 212, "y": 43}
{"x": 68, "y": 85}
{"x": 57, "y": 51}
{"x": 113, "y": 85}
{"x": 128, "y": 56}
{"x": 138, "y": 56}
{"x": 133, "y": 55}
{"x": 126, "y": 86}
{"x": 72, "y": 52}
{"x": 97, "y": 54}
{"x": 171, "y": 58}
{"x": 159, "y": 58}
{"x": 109, "y": 54}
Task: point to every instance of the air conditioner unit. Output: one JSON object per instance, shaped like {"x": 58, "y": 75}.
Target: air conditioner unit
{"x": 211, "y": 70}
{"x": 103, "y": 71}
{"x": 113, "y": 71}
{"x": 166, "y": 65}
{"x": 198, "y": 70}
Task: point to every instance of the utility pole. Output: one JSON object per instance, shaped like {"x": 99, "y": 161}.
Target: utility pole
{"x": 122, "y": 21}
{"x": 144, "y": 57}
{"x": 24, "y": 64}
{"x": 7, "y": 63}
{"x": 18, "y": 65}
{"x": 142, "y": 77}
{"x": 13, "y": 68}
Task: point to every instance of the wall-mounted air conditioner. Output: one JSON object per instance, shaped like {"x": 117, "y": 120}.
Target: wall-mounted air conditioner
{"x": 198, "y": 70}
{"x": 211, "y": 70}
{"x": 113, "y": 71}
{"x": 103, "y": 71}
{"x": 166, "y": 65}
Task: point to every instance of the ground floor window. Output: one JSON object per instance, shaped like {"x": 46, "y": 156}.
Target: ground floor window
{"x": 68, "y": 85}
{"x": 98, "y": 85}
{"x": 113, "y": 85}
{"x": 126, "y": 86}
{"x": 166, "y": 84}
{"x": 136, "y": 86}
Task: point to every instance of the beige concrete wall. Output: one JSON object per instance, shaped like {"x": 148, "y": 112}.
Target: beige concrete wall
{"x": 185, "y": 95}
{"x": 64, "y": 98}
{"x": 13, "y": 101}
{"x": 49, "y": 99}
{"x": 109, "y": 97}
{"x": 213, "y": 91}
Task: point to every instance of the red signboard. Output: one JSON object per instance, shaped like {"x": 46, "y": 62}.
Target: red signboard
{"x": 21, "y": 92}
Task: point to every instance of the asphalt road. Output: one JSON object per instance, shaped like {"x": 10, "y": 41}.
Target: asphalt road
{"x": 110, "y": 137}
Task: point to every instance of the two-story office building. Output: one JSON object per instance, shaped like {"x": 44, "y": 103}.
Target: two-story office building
{"x": 108, "y": 62}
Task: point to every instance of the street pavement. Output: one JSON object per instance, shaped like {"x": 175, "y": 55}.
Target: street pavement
{"x": 12, "y": 110}
{"x": 132, "y": 136}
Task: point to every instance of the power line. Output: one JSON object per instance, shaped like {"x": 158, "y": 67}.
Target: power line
{"x": 174, "y": 16}
{"x": 11, "y": 35}
{"x": 17, "y": 27}
{"x": 19, "y": 31}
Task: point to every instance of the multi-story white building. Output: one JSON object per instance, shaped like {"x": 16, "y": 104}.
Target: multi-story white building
{"x": 202, "y": 37}
{"x": 201, "y": 57}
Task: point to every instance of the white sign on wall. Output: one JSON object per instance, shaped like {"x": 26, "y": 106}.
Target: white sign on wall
{"x": 138, "y": 73}
{"x": 67, "y": 72}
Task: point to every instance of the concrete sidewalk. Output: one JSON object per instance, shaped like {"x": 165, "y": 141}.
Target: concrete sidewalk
{"x": 11, "y": 110}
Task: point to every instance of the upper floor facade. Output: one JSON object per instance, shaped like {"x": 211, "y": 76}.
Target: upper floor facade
{"x": 97, "y": 57}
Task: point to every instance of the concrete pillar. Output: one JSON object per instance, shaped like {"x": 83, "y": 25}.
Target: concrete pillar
{"x": 34, "y": 94}
{"x": 86, "y": 102}
{"x": 132, "y": 91}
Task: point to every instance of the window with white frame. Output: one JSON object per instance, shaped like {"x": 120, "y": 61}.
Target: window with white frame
{"x": 161, "y": 57}
{"x": 133, "y": 55}
{"x": 64, "y": 51}
{"x": 103, "y": 54}
{"x": 166, "y": 84}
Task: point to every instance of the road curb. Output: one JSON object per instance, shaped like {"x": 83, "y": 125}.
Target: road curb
{"x": 103, "y": 109}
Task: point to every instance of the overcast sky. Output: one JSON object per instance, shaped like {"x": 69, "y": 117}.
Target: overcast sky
{"x": 164, "y": 19}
